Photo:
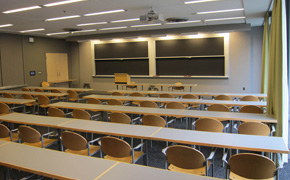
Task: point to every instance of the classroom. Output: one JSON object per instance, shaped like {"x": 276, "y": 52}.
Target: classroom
{"x": 206, "y": 48}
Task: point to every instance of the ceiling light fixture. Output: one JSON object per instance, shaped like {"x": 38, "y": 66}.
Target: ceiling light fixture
{"x": 21, "y": 9}
{"x": 105, "y": 12}
{"x": 61, "y": 18}
{"x": 199, "y": 1}
{"x": 222, "y": 19}
{"x": 122, "y": 27}
{"x": 220, "y": 11}
{"x": 89, "y": 30}
{"x": 62, "y": 2}
{"x": 5, "y": 25}
{"x": 184, "y": 22}
{"x": 91, "y": 24}
{"x": 145, "y": 25}
{"x": 58, "y": 33}
{"x": 126, "y": 20}
{"x": 32, "y": 30}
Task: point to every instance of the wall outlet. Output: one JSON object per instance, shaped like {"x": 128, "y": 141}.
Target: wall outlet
{"x": 244, "y": 88}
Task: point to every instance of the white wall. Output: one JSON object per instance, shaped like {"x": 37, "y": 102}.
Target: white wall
{"x": 244, "y": 67}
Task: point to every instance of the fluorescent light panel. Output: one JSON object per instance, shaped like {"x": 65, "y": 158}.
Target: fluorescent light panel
{"x": 62, "y": 2}
{"x": 91, "y": 24}
{"x": 184, "y": 22}
{"x": 5, "y": 25}
{"x": 58, "y": 33}
{"x": 145, "y": 25}
{"x": 199, "y": 1}
{"x": 220, "y": 11}
{"x": 122, "y": 27}
{"x": 61, "y": 18}
{"x": 126, "y": 20}
{"x": 222, "y": 19}
{"x": 21, "y": 9}
{"x": 82, "y": 31}
{"x": 32, "y": 30}
{"x": 105, "y": 12}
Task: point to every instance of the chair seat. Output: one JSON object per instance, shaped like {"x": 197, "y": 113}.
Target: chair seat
{"x": 15, "y": 137}
{"x": 198, "y": 171}
{"x": 128, "y": 159}
{"x": 31, "y": 104}
{"x": 75, "y": 99}
{"x": 46, "y": 142}
{"x": 136, "y": 103}
{"x": 234, "y": 176}
{"x": 84, "y": 152}
{"x": 44, "y": 106}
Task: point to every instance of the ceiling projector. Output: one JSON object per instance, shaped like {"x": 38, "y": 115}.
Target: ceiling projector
{"x": 152, "y": 17}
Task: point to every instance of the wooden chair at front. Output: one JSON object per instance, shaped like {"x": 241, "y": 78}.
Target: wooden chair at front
{"x": 81, "y": 114}
{"x": 246, "y": 166}
{"x": 76, "y": 144}
{"x": 251, "y": 109}
{"x": 30, "y": 136}
{"x": 4, "y": 108}
{"x": 8, "y": 135}
{"x": 119, "y": 150}
{"x": 187, "y": 160}
{"x": 55, "y": 112}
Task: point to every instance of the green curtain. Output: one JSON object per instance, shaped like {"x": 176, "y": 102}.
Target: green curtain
{"x": 265, "y": 55}
{"x": 277, "y": 104}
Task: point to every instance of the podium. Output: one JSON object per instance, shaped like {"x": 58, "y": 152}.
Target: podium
{"x": 122, "y": 78}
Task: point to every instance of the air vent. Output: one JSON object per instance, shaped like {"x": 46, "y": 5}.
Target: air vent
{"x": 72, "y": 29}
{"x": 177, "y": 19}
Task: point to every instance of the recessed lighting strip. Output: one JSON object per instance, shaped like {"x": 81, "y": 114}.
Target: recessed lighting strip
{"x": 58, "y": 33}
{"x": 220, "y": 11}
{"x": 199, "y": 1}
{"x": 6, "y": 25}
{"x": 61, "y": 3}
{"x": 82, "y": 31}
{"x": 61, "y": 18}
{"x": 222, "y": 19}
{"x": 145, "y": 25}
{"x": 91, "y": 24}
{"x": 122, "y": 27}
{"x": 32, "y": 30}
{"x": 21, "y": 9}
{"x": 105, "y": 12}
{"x": 184, "y": 22}
{"x": 126, "y": 20}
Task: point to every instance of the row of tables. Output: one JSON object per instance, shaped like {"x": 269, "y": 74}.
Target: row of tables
{"x": 152, "y": 84}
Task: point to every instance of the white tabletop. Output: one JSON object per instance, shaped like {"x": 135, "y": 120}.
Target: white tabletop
{"x": 35, "y": 93}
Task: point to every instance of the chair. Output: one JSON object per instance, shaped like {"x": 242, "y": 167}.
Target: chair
{"x": 73, "y": 96}
{"x": 7, "y": 135}
{"x": 115, "y": 102}
{"x": 25, "y": 89}
{"x": 223, "y": 97}
{"x": 117, "y": 94}
{"x": 154, "y": 120}
{"x": 190, "y": 96}
{"x": 251, "y": 109}
{"x": 250, "y": 166}
{"x": 250, "y": 98}
{"x": 32, "y": 137}
{"x": 177, "y": 87}
{"x": 33, "y": 104}
{"x": 94, "y": 101}
{"x": 38, "y": 90}
{"x": 55, "y": 112}
{"x": 43, "y": 103}
{"x": 132, "y": 86}
{"x": 7, "y": 95}
{"x": 4, "y": 108}
{"x": 148, "y": 104}
{"x": 136, "y": 94}
{"x": 209, "y": 125}
{"x": 187, "y": 160}
{"x": 58, "y": 98}
{"x": 119, "y": 150}
{"x": 81, "y": 114}
{"x": 177, "y": 105}
{"x": 45, "y": 84}
{"x": 77, "y": 144}
{"x": 120, "y": 118}
{"x": 165, "y": 95}
{"x": 254, "y": 128}
{"x": 218, "y": 107}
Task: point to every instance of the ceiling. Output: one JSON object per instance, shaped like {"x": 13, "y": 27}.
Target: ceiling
{"x": 34, "y": 19}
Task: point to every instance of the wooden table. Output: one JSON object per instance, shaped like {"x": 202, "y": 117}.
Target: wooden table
{"x": 69, "y": 81}
{"x": 36, "y": 93}
{"x": 20, "y": 102}
{"x": 167, "y": 100}
{"x": 180, "y": 93}
{"x": 60, "y": 88}
{"x": 161, "y": 85}
{"x": 223, "y": 140}
{"x": 246, "y": 117}
{"x": 60, "y": 165}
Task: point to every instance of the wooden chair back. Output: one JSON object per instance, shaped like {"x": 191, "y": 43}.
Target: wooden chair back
{"x": 7, "y": 95}
{"x": 4, "y": 108}
{"x": 25, "y": 89}
{"x": 251, "y": 109}
{"x": 189, "y": 96}
{"x": 117, "y": 117}
{"x": 27, "y": 96}
{"x": 185, "y": 157}
{"x": 43, "y": 100}
{"x": 166, "y": 95}
{"x": 175, "y": 105}
{"x": 254, "y": 128}
{"x": 209, "y": 124}
{"x": 55, "y": 91}
{"x": 29, "y": 134}
{"x": 252, "y": 166}
{"x": 153, "y": 120}
{"x": 117, "y": 94}
{"x": 72, "y": 94}
{"x": 115, "y": 147}
{"x": 218, "y": 107}
{"x": 45, "y": 84}
{"x": 250, "y": 98}
{"x": 55, "y": 112}
{"x": 148, "y": 104}
{"x": 81, "y": 114}
{"x": 4, "y": 131}
{"x": 94, "y": 101}
{"x": 178, "y": 87}
{"x": 38, "y": 90}
{"x": 223, "y": 97}
{"x": 136, "y": 94}
{"x": 115, "y": 102}
{"x": 73, "y": 141}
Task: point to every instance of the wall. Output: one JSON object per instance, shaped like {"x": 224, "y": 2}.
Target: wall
{"x": 242, "y": 62}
